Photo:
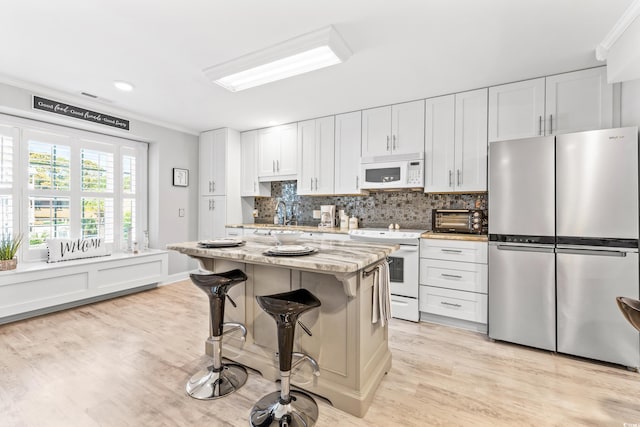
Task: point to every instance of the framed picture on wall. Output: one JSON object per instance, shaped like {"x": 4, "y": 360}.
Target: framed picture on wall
{"x": 180, "y": 177}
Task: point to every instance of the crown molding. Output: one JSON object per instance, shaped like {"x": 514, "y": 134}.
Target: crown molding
{"x": 629, "y": 15}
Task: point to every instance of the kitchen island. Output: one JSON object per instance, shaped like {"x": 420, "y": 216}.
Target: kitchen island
{"x": 352, "y": 352}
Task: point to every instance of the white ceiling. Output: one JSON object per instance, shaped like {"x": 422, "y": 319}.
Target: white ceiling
{"x": 403, "y": 50}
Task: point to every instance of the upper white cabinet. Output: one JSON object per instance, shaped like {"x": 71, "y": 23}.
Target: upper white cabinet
{"x": 219, "y": 164}
{"x": 347, "y": 153}
{"x": 569, "y": 102}
{"x": 395, "y": 129}
{"x": 316, "y": 156}
{"x": 277, "y": 153}
{"x": 582, "y": 100}
{"x": 456, "y": 143}
{"x": 212, "y": 160}
{"x": 249, "y": 184}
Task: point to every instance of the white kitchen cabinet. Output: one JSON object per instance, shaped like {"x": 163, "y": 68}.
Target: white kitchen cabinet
{"x": 516, "y": 110}
{"x": 394, "y": 129}
{"x": 456, "y": 143}
{"x": 249, "y": 184}
{"x": 348, "y": 138}
{"x": 277, "y": 153}
{"x": 582, "y": 100}
{"x": 316, "y": 156}
{"x": 440, "y": 144}
{"x": 212, "y": 217}
{"x": 212, "y": 157}
{"x": 562, "y": 103}
{"x": 454, "y": 282}
{"x": 220, "y": 163}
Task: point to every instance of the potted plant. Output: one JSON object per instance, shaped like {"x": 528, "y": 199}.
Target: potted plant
{"x": 8, "y": 249}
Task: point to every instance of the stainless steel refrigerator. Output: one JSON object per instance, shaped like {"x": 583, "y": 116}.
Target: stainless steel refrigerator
{"x": 564, "y": 242}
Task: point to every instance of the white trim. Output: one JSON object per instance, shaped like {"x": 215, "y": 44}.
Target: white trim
{"x": 82, "y": 101}
{"x": 629, "y": 15}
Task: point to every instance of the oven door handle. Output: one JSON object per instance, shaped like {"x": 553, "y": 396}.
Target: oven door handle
{"x": 404, "y": 248}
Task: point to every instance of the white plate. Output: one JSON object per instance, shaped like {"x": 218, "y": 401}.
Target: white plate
{"x": 220, "y": 243}
{"x": 290, "y": 250}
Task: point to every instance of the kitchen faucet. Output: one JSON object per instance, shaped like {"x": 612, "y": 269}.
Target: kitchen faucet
{"x": 284, "y": 211}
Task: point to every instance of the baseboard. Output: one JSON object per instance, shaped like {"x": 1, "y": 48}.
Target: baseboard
{"x": 176, "y": 277}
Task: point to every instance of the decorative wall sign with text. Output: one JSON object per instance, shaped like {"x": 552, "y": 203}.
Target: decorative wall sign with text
{"x": 78, "y": 113}
{"x": 67, "y": 249}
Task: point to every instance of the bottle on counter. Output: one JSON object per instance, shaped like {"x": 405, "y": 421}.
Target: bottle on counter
{"x": 353, "y": 223}
{"x": 344, "y": 220}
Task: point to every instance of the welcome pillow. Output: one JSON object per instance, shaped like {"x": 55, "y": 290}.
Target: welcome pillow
{"x": 67, "y": 249}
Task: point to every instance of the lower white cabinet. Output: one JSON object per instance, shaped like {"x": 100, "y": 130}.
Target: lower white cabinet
{"x": 462, "y": 305}
{"x": 212, "y": 217}
{"x": 454, "y": 282}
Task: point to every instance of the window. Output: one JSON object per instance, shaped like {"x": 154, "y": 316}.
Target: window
{"x": 75, "y": 184}
{"x": 8, "y": 199}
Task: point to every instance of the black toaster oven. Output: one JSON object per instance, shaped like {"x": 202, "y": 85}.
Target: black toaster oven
{"x": 457, "y": 220}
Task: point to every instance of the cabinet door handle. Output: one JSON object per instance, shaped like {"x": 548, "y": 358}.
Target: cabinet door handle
{"x": 550, "y": 124}
{"x": 311, "y": 183}
{"x": 357, "y": 182}
{"x": 209, "y": 204}
{"x": 316, "y": 184}
{"x": 450, "y": 304}
{"x": 213, "y": 205}
{"x": 387, "y": 142}
{"x": 458, "y": 173}
{"x": 450, "y": 178}
{"x": 213, "y": 186}
{"x": 394, "y": 142}
{"x": 451, "y": 276}
{"x": 273, "y": 166}
{"x": 278, "y": 165}
{"x": 539, "y": 125}
{"x": 254, "y": 186}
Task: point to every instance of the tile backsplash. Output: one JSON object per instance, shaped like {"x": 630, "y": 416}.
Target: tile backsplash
{"x": 409, "y": 209}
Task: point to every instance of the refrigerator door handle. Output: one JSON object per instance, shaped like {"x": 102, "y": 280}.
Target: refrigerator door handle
{"x": 591, "y": 252}
{"x": 525, "y": 248}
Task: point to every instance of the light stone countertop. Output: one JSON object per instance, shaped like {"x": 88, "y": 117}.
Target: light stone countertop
{"x": 455, "y": 236}
{"x": 332, "y": 256}
{"x": 303, "y": 228}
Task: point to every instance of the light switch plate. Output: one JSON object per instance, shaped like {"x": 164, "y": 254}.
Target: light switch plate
{"x": 180, "y": 212}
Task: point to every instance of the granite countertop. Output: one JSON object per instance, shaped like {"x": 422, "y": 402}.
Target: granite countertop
{"x": 303, "y": 228}
{"x": 455, "y": 236}
{"x": 332, "y": 257}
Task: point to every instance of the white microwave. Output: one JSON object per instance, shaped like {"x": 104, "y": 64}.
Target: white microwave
{"x": 392, "y": 174}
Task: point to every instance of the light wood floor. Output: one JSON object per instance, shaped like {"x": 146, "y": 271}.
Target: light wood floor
{"x": 124, "y": 362}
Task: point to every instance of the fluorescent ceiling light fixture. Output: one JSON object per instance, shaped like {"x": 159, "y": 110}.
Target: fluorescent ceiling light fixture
{"x": 123, "y": 86}
{"x": 308, "y": 52}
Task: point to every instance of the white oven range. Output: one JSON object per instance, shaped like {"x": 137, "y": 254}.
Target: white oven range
{"x": 403, "y": 268}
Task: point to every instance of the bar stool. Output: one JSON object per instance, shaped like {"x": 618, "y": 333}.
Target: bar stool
{"x": 630, "y": 309}
{"x": 219, "y": 379}
{"x": 287, "y": 408}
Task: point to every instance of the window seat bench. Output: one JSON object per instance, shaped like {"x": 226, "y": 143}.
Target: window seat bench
{"x": 36, "y": 288}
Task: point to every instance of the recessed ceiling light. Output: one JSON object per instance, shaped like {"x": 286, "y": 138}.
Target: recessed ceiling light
{"x": 123, "y": 86}
{"x": 308, "y": 52}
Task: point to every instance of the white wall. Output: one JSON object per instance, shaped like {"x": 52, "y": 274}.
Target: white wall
{"x": 168, "y": 149}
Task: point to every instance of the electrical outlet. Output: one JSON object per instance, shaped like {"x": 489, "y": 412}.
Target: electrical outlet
{"x": 180, "y": 212}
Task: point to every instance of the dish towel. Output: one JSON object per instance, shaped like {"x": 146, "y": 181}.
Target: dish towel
{"x": 381, "y": 309}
